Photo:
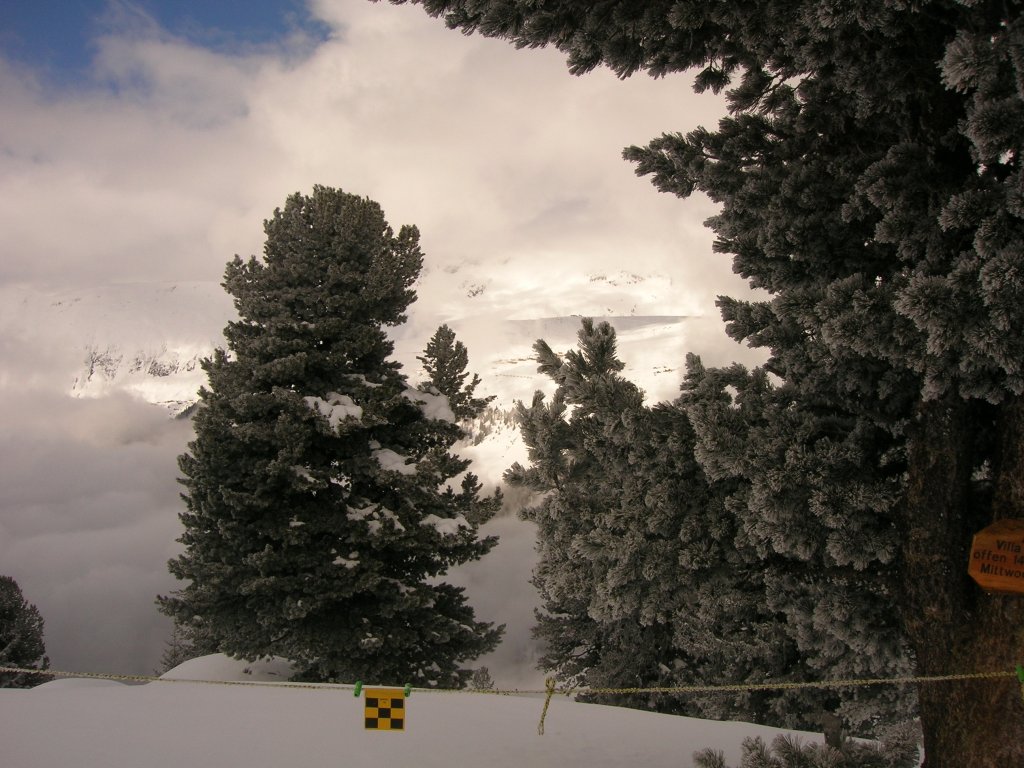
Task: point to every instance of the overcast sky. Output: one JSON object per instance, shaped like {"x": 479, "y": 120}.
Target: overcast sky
{"x": 147, "y": 141}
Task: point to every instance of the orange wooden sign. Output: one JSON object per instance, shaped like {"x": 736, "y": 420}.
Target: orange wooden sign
{"x": 997, "y": 557}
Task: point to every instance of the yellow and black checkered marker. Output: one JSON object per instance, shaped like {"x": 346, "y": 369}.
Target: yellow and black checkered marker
{"x": 385, "y": 709}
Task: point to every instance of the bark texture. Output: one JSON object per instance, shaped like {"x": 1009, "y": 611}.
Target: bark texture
{"x": 953, "y": 625}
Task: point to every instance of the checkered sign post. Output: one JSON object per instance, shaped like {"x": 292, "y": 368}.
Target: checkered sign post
{"x": 385, "y": 709}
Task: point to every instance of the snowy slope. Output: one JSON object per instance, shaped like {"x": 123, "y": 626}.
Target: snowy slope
{"x": 147, "y": 339}
{"x": 117, "y": 454}
{"x": 100, "y": 724}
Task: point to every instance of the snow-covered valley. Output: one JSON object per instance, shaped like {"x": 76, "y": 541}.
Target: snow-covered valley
{"x": 93, "y": 376}
{"x": 148, "y": 339}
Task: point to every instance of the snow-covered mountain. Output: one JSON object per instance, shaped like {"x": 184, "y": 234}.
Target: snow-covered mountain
{"x": 162, "y": 376}
{"x": 148, "y": 339}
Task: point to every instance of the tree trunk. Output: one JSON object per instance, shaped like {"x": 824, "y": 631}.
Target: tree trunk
{"x": 954, "y": 626}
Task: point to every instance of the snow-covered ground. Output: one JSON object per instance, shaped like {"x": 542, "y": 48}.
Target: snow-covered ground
{"x": 104, "y": 724}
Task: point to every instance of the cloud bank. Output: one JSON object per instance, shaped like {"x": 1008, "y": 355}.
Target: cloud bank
{"x": 161, "y": 165}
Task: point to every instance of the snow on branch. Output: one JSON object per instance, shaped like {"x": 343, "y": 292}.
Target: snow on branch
{"x": 335, "y": 408}
{"x": 446, "y": 526}
{"x": 394, "y": 462}
{"x": 433, "y": 406}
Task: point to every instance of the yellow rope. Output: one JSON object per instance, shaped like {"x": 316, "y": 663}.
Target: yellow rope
{"x": 153, "y": 679}
{"x": 550, "y": 688}
{"x": 253, "y": 683}
{"x": 550, "y": 691}
{"x": 737, "y": 687}
{"x": 740, "y": 687}
{"x": 549, "y": 683}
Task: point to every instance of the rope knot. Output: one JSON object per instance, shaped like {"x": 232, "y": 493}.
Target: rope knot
{"x": 549, "y": 686}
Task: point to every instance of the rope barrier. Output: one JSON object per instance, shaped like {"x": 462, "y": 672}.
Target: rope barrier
{"x": 154, "y": 679}
{"x": 781, "y": 686}
{"x": 254, "y": 683}
{"x": 550, "y": 687}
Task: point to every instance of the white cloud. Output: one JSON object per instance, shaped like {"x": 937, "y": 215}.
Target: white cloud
{"x": 166, "y": 167}
{"x": 500, "y": 156}
{"x": 88, "y": 519}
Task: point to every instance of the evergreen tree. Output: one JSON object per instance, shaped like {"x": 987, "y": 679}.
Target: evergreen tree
{"x": 21, "y": 637}
{"x": 641, "y": 580}
{"x": 815, "y": 495}
{"x": 319, "y": 513}
{"x": 789, "y": 752}
{"x": 481, "y": 680}
{"x": 445, "y": 360}
{"x": 869, "y": 178}
{"x": 181, "y": 647}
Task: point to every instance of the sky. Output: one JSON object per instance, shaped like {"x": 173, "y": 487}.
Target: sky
{"x": 57, "y": 37}
{"x": 145, "y": 142}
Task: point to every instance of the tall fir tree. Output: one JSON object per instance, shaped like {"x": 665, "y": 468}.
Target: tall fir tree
{"x": 319, "y": 513}
{"x": 814, "y": 494}
{"x": 869, "y": 178}
{"x": 642, "y": 580}
{"x": 21, "y": 638}
{"x": 445, "y": 360}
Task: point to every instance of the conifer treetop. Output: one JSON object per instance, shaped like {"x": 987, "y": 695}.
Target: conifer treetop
{"x": 323, "y": 504}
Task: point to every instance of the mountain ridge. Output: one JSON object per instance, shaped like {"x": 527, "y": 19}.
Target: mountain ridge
{"x": 148, "y": 339}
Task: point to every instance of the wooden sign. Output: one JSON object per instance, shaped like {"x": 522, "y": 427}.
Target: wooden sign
{"x": 385, "y": 709}
{"x": 997, "y": 557}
